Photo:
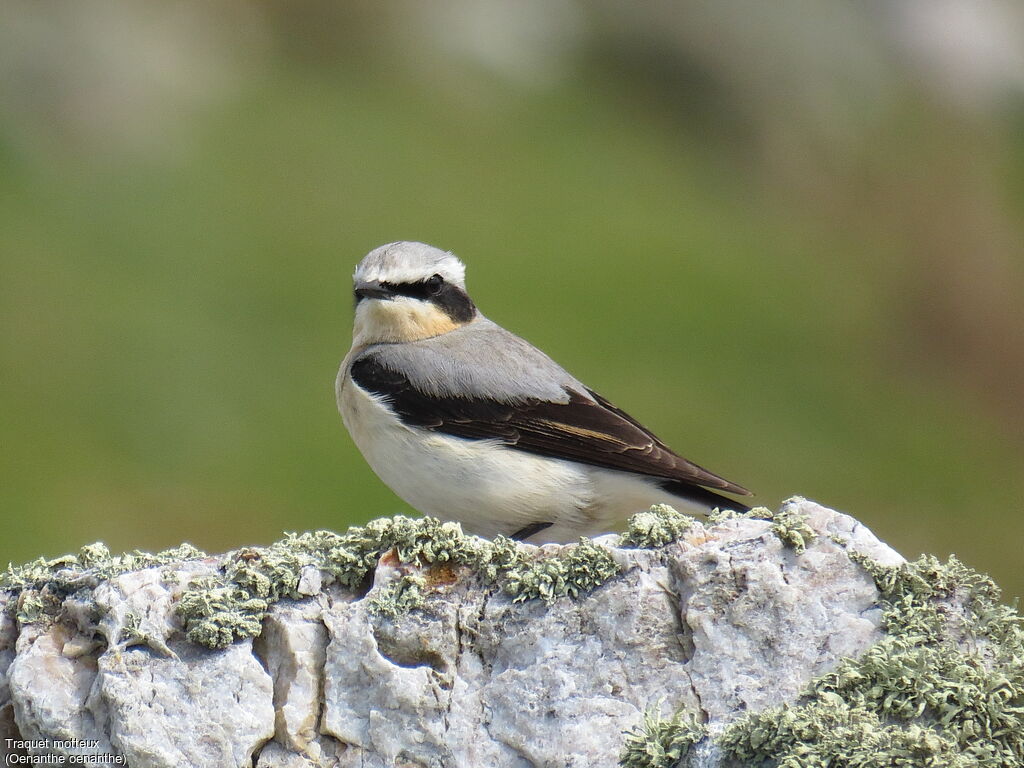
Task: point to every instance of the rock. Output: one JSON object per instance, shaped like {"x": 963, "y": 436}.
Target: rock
{"x": 293, "y": 646}
{"x": 156, "y": 706}
{"x": 458, "y": 652}
{"x": 63, "y": 709}
{"x": 8, "y": 640}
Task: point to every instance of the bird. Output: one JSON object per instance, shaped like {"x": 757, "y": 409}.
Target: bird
{"x": 467, "y": 422}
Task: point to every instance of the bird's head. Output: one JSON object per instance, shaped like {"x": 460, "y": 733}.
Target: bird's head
{"x": 409, "y": 291}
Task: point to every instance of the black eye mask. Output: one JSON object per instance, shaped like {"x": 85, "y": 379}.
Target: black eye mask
{"x": 451, "y": 299}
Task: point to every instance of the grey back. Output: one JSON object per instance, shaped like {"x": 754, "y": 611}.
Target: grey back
{"x": 479, "y": 359}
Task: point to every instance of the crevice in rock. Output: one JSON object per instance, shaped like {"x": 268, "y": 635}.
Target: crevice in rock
{"x": 321, "y": 683}
{"x": 458, "y": 636}
{"x": 402, "y": 655}
{"x": 362, "y": 589}
{"x": 485, "y": 661}
{"x": 674, "y": 590}
{"x": 683, "y": 631}
{"x": 258, "y": 752}
{"x": 259, "y": 651}
{"x": 98, "y": 712}
{"x": 705, "y": 716}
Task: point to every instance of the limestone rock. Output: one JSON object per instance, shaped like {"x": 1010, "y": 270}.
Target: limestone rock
{"x": 727, "y": 619}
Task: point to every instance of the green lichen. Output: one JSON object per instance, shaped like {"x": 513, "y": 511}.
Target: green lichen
{"x": 542, "y": 579}
{"x": 658, "y": 526}
{"x": 132, "y": 632}
{"x": 501, "y": 558}
{"x": 218, "y": 611}
{"x": 658, "y": 742}
{"x": 33, "y": 605}
{"x": 789, "y": 526}
{"x": 42, "y": 585}
{"x": 831, "y": 732}
{"x": 792, "y": 528}
{"x": 944, "y": 687}
{"x": 721, "y": 514}
{"x": 215, "y": 613}
{"x": 400, "y": 596}
{"x": 574, "y": 571}
{"x": 135, "y": 632}
{"x": 587, "y": 566}
{"x": 92, "y": 564}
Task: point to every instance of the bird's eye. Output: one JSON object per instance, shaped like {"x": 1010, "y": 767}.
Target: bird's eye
{"x": 434, "y": 284}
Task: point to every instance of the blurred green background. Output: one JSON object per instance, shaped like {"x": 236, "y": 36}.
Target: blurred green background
{"x": 788, "y": 237}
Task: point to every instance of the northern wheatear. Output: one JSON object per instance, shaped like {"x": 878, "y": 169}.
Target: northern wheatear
{"x": 466, "y": 421}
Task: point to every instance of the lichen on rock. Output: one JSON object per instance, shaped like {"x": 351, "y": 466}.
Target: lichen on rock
{"x": 399, "y": 596}
{"x": 575, "y": 571}
{"x": 41, "y": 586}
{"x": 218, "y": 610}
{"x": 789, "y": 525}
{"x": 660, "y": 742}
{"x": 944, "y": 686}
{"x": 216, "y": 614}
{"x": 656, "y": 527}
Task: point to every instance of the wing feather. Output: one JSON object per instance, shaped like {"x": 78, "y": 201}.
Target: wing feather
{"x": 585, "y": 428}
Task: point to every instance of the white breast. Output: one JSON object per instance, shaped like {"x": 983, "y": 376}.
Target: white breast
{"x": 487, "y": 486}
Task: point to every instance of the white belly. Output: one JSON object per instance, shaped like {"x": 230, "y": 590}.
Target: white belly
{"x": 487, "y": 486}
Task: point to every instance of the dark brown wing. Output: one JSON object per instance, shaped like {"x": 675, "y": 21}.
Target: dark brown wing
{"x": 590, "y": 431}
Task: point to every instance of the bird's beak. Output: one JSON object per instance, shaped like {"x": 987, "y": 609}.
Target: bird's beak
{"x": 372, "y": 289}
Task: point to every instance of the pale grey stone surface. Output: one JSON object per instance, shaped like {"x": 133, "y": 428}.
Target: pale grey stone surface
{"x": 197, "y": 709}
{"x": 53, "y": 693}
{"x": 726, "y": 620}
{"x": 156, "y": 706}
{"x": 293, "y": 647}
